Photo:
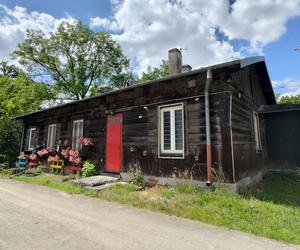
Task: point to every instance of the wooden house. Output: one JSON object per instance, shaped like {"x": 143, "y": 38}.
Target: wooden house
{"x": 196, "y": 120}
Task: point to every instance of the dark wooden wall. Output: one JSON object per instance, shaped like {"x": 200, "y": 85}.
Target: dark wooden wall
{"x": 247, "y": 96}
{"x": 140, "y": 125}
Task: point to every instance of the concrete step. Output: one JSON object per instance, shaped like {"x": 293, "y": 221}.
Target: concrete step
{"x": 97, "y": 180}
{"x": 105, "y": 186}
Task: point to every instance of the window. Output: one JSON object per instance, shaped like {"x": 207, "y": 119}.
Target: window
{"x": 51, "y": 138}
{"x": 77, "y": 133}
{"x": 172, "y": 130}
{"x": 257, "y": 134}
{"x": 32, "y": 138}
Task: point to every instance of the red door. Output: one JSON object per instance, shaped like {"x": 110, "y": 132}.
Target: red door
{"x": 114, "y": 143}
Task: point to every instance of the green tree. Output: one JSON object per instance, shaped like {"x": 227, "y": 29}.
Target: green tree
{"x": 10, "y": 133}
{"x": 155, "y": 73}
{"x": 17, "y": 96}
{"x": 9, "y": 70}
{"x": 74, "y": 57}
{"x": 20, "y": 95}
{"x": 289, "y": 99}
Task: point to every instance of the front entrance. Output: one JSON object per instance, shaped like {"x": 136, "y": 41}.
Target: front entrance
{"x": 114, "y": 143}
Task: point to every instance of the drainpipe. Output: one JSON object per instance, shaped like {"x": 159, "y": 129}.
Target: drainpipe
{"x": 207, "y": 125}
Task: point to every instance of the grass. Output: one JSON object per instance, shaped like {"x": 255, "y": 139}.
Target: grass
{"x": 281, "y": 188}
{"x": 270, "y": 211}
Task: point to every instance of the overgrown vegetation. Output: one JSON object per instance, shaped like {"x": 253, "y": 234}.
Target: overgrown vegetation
{"x": 280, "y": 188}
{"x": 89, "y": 169}
{"x": 271, "y": 218}
{"x": 136, "y": 177}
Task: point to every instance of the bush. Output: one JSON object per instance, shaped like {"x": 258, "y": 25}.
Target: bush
{"x": 3, "y": 158}
{"x": 10, "y": 132}
{"x": 136, "y": 177}
{"x": 89, "y": 169}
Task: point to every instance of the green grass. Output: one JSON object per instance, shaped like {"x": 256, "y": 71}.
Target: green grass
{"x": 53, "y": 181}
{"x": 281, "y": 188}
{"x": 270, "y": 211}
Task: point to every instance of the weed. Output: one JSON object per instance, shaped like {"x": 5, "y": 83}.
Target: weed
{"x": 89, "y": 169}
{"x": 136, "y": 176}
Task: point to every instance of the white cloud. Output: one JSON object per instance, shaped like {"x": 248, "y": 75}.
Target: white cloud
{"x": 104, "y": 23}
{"x": 147, "y": 29}
{"x": 286, "y": 87}
{"x": 14, "y": 23}
{"x": 259, "y": 22}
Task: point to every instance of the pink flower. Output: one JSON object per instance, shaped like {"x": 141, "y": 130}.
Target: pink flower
{"x": 85, "y": 141}
{"x": 42, "y": 152}
{"x": 32, "y": 157}
{"x": 65, "y": 152}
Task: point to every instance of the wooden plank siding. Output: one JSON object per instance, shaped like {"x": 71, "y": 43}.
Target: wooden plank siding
{"x": 140, "y": 125}
{"x": 247, "y": 96}
{"x": 234, "y": 94}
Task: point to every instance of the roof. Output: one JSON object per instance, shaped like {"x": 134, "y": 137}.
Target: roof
{"x": 279, "y": 108}
{"x": 242, "y": 62}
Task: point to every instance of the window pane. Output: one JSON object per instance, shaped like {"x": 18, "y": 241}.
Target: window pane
{"x": 53, "y": 136}
{"x": 178, "y": 130}
{"x": 167, "y": 130}
{"x": 32, "y": 138}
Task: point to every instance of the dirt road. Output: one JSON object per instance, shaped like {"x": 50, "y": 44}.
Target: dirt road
{"x": 35, "y": 217}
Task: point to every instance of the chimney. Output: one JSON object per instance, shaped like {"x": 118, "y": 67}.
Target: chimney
{"x": 175, "y": 61}
{"x": 186, "y": 68}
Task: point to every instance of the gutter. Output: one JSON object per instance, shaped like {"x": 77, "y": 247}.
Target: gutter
{"x": 207, "y": 126}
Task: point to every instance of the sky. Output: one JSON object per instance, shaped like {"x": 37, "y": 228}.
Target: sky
{"x": 210, "y": 32}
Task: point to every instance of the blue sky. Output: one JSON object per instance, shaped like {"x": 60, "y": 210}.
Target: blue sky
{"x": 213, "y": 31}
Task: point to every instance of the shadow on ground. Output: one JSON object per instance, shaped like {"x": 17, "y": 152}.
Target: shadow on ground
{"x": 279, "y": 187}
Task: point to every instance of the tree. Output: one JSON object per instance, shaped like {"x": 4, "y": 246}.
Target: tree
{"x": 10, "y": 133}
{"x": 74, "y": 57}
{"x": 17, "y": 96}
{"x": 9, "y": 70}
{"x": 289, "y": 99}
{"x": 20, "y": 95}
{"x": 156, "y": 72}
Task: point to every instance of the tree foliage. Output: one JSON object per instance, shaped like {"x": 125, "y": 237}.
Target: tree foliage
{"x": 9, "y": 70}
{"x": 20, "y": 95}
{"x": 74, "y": 57}
{"x": 155, "y": 73}
{"x": 10, "y": 133}
{"x": 289, "y": 99}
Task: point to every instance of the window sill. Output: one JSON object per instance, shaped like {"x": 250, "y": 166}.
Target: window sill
{"x": 170, "y": 156}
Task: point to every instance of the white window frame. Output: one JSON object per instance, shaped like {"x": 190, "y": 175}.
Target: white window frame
{"x": 257, "y": 132}
{"x": 51, "y": 136}
{"x": 173, "y": 152}
{"x": 77, "y": 134}
{"x": 31, "y": 147}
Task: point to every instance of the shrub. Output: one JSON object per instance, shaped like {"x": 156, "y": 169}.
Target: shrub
{"x": 9, "y": 140}
{"x": 3, "y": 158}
{"x": 89, "y": 169}
{"x": 136, "y": 177}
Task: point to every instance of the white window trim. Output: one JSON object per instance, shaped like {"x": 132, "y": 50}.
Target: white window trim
{"x": 74, "y": 142}
{"x": 172, "y": 153}
{"x": 257, "y": 132}
{"x": 29, "y": 142}
{"x": 50, "y": 135}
